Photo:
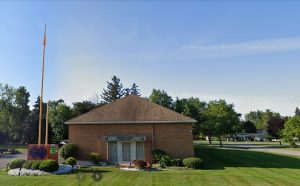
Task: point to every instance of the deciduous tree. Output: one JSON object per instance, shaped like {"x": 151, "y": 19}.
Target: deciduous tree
{"x": 161, "y": 97}
{"x": 83, "y": 107}
{"x": 221, "y": 119}
{"x": 292, "y": 129}
{"x": 57, "y": 116}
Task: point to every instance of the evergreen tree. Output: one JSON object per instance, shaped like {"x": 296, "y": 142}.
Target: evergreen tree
{"x": 135, "y": 90}
{"x": 32, "y": 124}
{"x": 126, "y": 91}
{"x": 297, "y": 112}
{"x": 114, "y": 90}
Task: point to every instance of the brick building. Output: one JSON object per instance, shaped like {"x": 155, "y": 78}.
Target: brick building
{"x": 130, "y": 128}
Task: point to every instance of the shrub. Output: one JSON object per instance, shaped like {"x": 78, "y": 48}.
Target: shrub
{"x": 139, "y": 163}
{"x": 95, "y": 157}
{"x": 177, "y": 162}
{"x": 293, "y": 144}
{"x": 16, "y": 163}
{"x": 156, "y": 155}
{"x": 165, "y": 161}
{"x": 195, "y": 163}
{"x": 49, "y": 165}
{"x": 35, "y": 164}
{"x": 69, "y": 150}
{"x": 71, "y": 161}
{"x": 27, "y": 164}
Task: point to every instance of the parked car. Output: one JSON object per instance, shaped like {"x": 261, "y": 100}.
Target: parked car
{"x": 276, "y": 140}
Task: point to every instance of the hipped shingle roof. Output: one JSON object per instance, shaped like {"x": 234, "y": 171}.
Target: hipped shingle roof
{"x": 130, "y": 109}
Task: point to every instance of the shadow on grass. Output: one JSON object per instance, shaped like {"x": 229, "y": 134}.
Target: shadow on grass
{"x": 90, "y": 170}
{"x": 215, "y": 158}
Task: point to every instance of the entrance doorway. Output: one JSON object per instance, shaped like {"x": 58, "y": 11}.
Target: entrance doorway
{"x": 125, "y": 151}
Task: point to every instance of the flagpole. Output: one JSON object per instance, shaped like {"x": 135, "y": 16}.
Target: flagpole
{"x": 42, "y": 86}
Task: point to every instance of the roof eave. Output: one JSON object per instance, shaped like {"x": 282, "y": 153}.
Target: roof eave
{"x": 129, "y": 122}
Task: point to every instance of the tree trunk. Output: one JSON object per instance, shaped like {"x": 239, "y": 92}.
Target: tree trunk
{"x": 209, "y": 139}
{"x": 280, "y": 142}
{"x": 220, "y": 139}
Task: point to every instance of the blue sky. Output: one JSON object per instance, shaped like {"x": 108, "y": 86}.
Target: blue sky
{"x": 245, "y": 52}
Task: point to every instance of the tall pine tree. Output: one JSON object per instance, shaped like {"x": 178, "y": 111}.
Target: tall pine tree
{"x": 114, "y": 90}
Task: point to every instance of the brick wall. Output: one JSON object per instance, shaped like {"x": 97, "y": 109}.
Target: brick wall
{"x": 175, "y": 139}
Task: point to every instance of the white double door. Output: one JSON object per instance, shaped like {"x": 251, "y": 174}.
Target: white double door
{"x": 125, "y": 151}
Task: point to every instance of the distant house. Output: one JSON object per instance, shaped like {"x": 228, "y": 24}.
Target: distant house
{"x": 260, "y": 135}
{"x": 130, "y": 128}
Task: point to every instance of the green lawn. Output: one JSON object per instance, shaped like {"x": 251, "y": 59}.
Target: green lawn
{"x": 222, "y": 167}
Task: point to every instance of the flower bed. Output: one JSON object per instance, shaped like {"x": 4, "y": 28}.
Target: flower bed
{"x": 63, "y": 169}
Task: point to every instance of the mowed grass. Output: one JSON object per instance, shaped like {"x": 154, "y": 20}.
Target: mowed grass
{"x": 222, "y": 167}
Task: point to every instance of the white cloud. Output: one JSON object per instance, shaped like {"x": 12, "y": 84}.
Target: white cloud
{"x": 234, "y": 49}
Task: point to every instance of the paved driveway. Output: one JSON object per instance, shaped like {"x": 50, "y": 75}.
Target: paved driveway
{"x": 6, "y": 158}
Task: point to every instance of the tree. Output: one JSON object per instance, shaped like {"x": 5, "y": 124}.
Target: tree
{"x": 21, "y": 113}
{"x": 7, "y": 121}
{"x": 161, "y": 97}
{"x": 126, "y": 91}
{"x": 248, "y": 127}
{"x": 32, "y": 124}
{"x": 14, "y": 111}
{"x": 135, "y": 90}
{"x": 83, "y": 107}
{"x": 256, "y": 117}
{"x": 191, "y": 107}
{"x": 292, "y": 129}
{"x": 57, "y": 116}
{"x": 221, "y": 119}
{"x": 275, "y": 125}
{"x": 260, "y": 118}
{"x": 114, "y": 90}
{"x": 297, "y": 112}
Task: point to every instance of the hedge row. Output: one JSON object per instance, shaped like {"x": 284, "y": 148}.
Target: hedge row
{"x": 159, "y": 156}
{"x": 44, "y": 165}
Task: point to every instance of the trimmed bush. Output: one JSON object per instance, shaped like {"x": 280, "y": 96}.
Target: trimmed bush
{"x": 69, "y": 150}
{"x": 16, "y": 163}
{"x": 177, "y": 162}
{"x": 27, "y": 164}
{"x": 95, "y": 157}
{"x": 49, "y": 165}
{"x": 165, "y": 161}
{"x": 156, "y": 155}
{"x": 195, "y": 163}
{"x": 139, "y": 163}
{"x": 71, "y": 161}
{"x": 35, "y": 164}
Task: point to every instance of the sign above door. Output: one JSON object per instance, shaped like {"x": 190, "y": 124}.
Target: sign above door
{"x": 125, "y": 138}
